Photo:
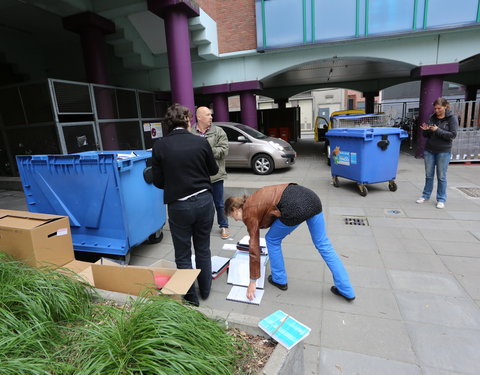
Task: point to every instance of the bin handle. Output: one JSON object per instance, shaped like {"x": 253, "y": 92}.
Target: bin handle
{"x": 384, "y": 142}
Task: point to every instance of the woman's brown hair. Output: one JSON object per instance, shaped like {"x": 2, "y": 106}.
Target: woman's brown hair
{"x": 233, "y": 203}
{"x": 442, "y": 102}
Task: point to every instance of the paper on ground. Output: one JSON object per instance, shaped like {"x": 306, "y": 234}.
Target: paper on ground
{"x": 239, "y": 294}
{"x": 239, "y": 272}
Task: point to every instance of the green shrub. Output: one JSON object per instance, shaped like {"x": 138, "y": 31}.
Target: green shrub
{"x": 155, "y": 336}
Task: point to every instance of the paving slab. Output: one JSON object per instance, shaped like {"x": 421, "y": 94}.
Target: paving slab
{"x": 445, "y": 348}
{"x": 335, "y": 362}
{"x": 378, "y": 337}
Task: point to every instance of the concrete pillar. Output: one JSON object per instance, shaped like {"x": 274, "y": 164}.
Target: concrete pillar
{"x": 370, "y": 101}
{"x": 431, "y": 77}
{"x": 220, "y": 107}
{"x": 175, "y": 15}
{"x": 92, "y": 29}
{"x": 248, "y": 108}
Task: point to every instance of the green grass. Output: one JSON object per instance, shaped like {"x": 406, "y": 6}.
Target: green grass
{"x": 154, "y": 336}
{"x": 49, "y": 325}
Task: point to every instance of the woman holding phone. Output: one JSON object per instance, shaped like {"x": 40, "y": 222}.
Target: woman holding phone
{"x": 440, "y": 132}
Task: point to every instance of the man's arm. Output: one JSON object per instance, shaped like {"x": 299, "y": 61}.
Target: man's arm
{"x": 211, "y": 163}
{"x": 157, "y": 171}
{"x": 220, "y": 146}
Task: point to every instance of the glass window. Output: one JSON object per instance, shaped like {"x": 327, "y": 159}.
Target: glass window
{"x": 251, "y": 131}
{"x": 390, "y": 16}
{"x": 335, "y": 19}
{"x": 127, "y": 104}
{"x": 79, "y": 138}
{"x": 283, "y": 23}
{"x": 232, "y": 134}
{"x": 446, "y": 12}
{"x": 127, "y": 135}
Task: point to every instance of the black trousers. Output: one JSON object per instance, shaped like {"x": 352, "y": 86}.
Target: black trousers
{"x": 193, "y": 219}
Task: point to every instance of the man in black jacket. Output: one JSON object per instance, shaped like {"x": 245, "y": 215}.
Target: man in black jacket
{"x": 182, "y": 165}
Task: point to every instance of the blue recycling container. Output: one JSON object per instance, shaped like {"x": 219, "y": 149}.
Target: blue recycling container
{"x": 365, "y": 155}
{"x": 107, "y": 195}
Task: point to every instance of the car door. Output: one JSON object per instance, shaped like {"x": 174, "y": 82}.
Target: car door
{"x": 238, "y": 152}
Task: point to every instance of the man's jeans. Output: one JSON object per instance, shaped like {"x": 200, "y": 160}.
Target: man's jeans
{"x": 438, "y": 161}
{"x": 193, "y": 218}
{"x": 217, "y": 188}
{"x": 316, "y": 225}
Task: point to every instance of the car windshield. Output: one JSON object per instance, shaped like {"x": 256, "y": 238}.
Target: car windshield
{"x": 250, "y": 131}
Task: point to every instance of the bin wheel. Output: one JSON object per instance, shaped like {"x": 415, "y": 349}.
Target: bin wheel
{"x": 155, "y": 237}
{"x": 362, "y": 190}
{"x": 335, "y": 181}
{"x": 392, "y": 185}
{"x": 327, "y": 154}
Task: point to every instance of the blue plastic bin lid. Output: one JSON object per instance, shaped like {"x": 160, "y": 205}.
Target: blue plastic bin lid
{"x": 365, "y": 133}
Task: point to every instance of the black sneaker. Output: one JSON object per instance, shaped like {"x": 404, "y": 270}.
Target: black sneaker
{"x": 279, "y": 286}
{"x": 335, "y": 291}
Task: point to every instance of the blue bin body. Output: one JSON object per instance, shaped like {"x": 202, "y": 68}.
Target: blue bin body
{"x": 110, "y": 205}
{"x": 359, "y": 154}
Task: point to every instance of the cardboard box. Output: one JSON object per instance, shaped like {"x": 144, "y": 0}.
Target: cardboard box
{"x": 134, "y": 279}
{"x": 45, "y": 240}
{"x": 40, "y": 240}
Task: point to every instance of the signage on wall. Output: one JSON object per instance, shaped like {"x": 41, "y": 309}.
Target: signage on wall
{"x": 154, "y": 128}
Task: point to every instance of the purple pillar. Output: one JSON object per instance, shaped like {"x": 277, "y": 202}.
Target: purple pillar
{"x": 431, "y": 77}
{"x": 92, "y": 29}
{"x": 220, "y": 107}
{"x": 179, "y": 61}
{"x": 248, "y": 107}
{"x": 430, "y": 89}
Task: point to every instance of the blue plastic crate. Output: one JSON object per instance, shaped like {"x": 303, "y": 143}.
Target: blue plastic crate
{"x": 110, "y": 205}
{"x": 365, "y": 155}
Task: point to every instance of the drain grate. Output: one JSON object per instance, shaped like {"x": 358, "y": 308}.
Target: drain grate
{"x": 470, "y": 191}
{"x": 355, "y": 221}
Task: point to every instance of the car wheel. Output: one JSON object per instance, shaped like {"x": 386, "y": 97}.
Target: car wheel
{"x": 262, "y": 164}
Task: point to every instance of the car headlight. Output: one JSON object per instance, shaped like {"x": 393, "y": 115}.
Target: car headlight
{"x": 276, "y": 145}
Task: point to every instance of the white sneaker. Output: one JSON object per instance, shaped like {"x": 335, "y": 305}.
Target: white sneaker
{"x": 421, "y": 200}
{"x": 440, "y": 205}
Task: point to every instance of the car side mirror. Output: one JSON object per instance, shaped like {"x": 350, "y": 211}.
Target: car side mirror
{"x": 241, "y": 138}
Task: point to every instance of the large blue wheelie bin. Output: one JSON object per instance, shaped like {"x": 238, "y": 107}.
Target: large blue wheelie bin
{"x": 107, "y": 195}
{"x": 365, "y": 155}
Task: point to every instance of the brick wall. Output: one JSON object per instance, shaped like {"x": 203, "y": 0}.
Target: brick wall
{"x": 236, "y": 25}
{"x": 209, "y": 6}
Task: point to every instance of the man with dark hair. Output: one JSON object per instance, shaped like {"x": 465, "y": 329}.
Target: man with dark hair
{"x": 182, "y": 165}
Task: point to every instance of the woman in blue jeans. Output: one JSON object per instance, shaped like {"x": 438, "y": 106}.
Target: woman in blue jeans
{"x": 440, "y": 132}
{"x": 282, "y": 208}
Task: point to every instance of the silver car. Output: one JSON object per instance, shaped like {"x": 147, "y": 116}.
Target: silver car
{"x": 248, "y": 148}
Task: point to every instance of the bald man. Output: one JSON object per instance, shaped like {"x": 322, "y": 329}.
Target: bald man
{"x": 217, "y": 139}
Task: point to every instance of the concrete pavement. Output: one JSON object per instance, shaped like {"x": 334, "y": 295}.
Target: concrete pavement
{"x": 415, "y": 269}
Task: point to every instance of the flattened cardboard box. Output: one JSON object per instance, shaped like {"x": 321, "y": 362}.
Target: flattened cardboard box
{"x": 134, "y": 279}
{"x": 40, "y": 240}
